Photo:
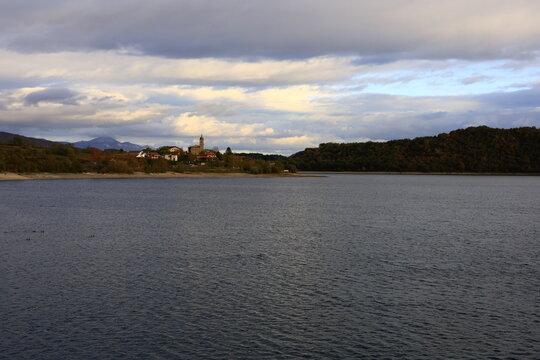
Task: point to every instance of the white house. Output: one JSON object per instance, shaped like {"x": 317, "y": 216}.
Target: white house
{"x": 171, "y": 157}
{"x": 174, "y": 149}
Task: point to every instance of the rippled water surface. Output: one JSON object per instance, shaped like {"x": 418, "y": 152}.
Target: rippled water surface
{"x": 346, "y": 266}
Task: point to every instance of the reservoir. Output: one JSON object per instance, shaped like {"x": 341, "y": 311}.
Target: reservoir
{"x": 336, "y": 267}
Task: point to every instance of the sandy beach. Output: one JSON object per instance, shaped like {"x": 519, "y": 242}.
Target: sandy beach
{"x": 138, "y": 175}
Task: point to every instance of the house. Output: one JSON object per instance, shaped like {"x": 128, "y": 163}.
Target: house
{"x": 206, "y": 156}
{"x": 174, "y": 153}
{"x": 154, "y": 155}
{"x": 175, "y": 150}
{"x": 148, "y": 155}
{"x": 171, "y": 157}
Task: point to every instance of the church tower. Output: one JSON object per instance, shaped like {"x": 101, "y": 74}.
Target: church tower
{"x": 201, "y": 143}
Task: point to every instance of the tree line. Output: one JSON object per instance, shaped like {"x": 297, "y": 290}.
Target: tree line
{"x": 475, "y": 149}
{"x": 23, "y": 156}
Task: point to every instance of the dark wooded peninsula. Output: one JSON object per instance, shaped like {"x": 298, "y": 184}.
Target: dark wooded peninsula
{"x": 473, "y": 150}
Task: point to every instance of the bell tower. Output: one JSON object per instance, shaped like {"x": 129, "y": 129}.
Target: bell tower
{"x": 201, "y": 143}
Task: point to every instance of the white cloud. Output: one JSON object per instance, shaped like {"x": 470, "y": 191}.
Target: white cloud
{"x": 116, "y": 68}
{"x": 190, "y": 124}
{"x": 295, "y": 141}
{"x": 93, "y": 108}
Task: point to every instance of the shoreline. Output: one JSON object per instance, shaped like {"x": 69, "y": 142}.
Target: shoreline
{"x": 7, "y": 176}
{"x": 415, "y": 173}
{"x": 10, "y": 176}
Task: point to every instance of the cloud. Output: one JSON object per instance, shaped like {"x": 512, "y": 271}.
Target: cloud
{"x": 280, "y": 29}
{"x": 65, "y": 108}
{"x": 474, "y": 79}
{"x": 267, "y": 75}
{"x": 295, "y": 141}
{"x": 112, "y": 67}
{"x": 516, "y": 100}
{"x": 191, "y": 124}
{"x": 261, "y": 120}
{"x": 58, "y": 96}
{"x": 298, "y": 98}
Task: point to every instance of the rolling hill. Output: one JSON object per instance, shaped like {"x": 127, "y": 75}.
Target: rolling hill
{"x": 475, "y": 149}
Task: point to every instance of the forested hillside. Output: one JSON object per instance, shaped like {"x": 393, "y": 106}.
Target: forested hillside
{"x": 475, "y": 149}
{"x": 14, "y": 139}
{"x": 18, "y": 156}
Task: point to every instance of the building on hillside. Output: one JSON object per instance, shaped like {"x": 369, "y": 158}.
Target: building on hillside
{"x": 206, "y": 156}
{"x": 197, "y": 149}
{"x": 148, "y": 155}
{"x": 175, "y": 150}
{"x": 171, "y": 157}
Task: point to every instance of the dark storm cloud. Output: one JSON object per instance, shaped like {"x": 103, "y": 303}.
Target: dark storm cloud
{"x": 54, "y": 95}
{"x": 380, "y": 31}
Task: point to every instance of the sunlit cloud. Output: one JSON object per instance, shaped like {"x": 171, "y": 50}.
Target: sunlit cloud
{"x": 190, "y": 124}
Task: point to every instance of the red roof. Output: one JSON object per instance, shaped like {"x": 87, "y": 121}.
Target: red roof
{"x": 207, "y": 155}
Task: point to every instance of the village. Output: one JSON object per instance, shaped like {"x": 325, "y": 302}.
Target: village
{"x": 197, "y": 156}
{"x": 194, "y": 153}
{"x": 20, "y": 157}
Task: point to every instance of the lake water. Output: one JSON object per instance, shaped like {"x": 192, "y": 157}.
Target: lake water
{"x": 346, "y": 266}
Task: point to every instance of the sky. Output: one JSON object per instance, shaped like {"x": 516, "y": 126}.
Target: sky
{"x": 268, "y": 76}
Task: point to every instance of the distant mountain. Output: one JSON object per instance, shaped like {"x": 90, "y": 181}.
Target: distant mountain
{"x": 7, "y": 138}
{"x": 106, "y": 142}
